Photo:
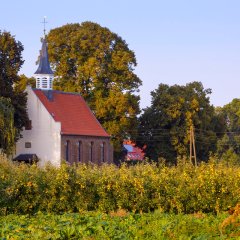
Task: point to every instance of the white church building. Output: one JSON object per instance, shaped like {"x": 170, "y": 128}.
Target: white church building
{"x": 61, "y": 126}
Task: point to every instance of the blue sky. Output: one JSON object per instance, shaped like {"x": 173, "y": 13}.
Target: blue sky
{"x": 175, "y": 42}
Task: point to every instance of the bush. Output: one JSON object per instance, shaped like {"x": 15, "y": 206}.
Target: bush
{"x": 211, "y": 187}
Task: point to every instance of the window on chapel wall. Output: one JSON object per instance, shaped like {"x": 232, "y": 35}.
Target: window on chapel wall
{"x": 28, "y": 144}
{"x": 79, "y": 145}
{"x": 28, "y": 125}
{"x": 91, "y": 151}
{"x": 102, "y": 153}
{"x": 67, "y": 150}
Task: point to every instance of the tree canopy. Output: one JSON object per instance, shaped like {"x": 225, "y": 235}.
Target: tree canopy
{"x": 7, "y": 129}
{"x": 165, "y": 125}
{"x": 97, "y": 63}
{"x": 23, "y": 82}
{"x": 229, "y": 144}
{"x": 13, "y": 100}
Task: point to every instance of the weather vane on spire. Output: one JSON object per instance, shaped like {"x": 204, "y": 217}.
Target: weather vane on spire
{"x": 44, "y": 25}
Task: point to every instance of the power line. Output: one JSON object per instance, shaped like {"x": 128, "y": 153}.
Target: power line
{"x": 197, "y": 129}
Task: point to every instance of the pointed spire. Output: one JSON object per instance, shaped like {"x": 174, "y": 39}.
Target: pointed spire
{"x": 44, "y": 65}
{"x": 44, "y": 74}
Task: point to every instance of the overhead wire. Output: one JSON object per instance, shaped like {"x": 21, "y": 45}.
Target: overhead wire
{"x": 163, "y": 135}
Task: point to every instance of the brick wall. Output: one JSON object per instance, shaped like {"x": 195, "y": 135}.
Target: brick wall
{"x": 86, "y": 149}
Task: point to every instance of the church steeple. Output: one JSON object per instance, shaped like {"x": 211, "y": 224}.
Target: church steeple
{"x": 44, "y": 73}
{"x": 44, "y": 65}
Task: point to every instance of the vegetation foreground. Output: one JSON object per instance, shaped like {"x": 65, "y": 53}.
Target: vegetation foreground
{"x": 120, "y": 225}
{"x": 209, "y": 188}
{"x": 145, "y": 201}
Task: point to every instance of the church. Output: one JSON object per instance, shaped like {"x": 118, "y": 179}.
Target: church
{"x": 62, "y": 126}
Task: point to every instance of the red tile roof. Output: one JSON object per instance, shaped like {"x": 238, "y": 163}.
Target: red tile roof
{"x": 72, "y": 111}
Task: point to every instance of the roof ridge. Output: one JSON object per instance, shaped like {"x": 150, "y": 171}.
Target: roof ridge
{"x": 58, "y": 91}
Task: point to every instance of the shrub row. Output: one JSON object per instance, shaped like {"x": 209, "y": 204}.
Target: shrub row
{"x": 210, "y": 187}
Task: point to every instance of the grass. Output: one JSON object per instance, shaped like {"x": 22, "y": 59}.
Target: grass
{"x": 120, "y": 225}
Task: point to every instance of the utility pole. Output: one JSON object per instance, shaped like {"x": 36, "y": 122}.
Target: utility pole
{"x": 192, "y": 146}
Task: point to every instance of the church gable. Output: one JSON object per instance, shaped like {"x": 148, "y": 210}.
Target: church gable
{"x": 43, "y": 137}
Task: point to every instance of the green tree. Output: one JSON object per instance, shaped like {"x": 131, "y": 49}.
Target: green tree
{"x": 7, "y": 129}
{"x": 23, "y": 81}
{"x": 230, "y": 142}
{"x": 10, "y": 64}
{"x": 165, "y": 125}
{"x": 97, "y": 63}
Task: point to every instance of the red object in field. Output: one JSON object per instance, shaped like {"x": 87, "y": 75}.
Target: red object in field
{"x": 133, "y": 152}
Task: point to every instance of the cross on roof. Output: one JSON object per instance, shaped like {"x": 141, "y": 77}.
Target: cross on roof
{"x": 44, "y": 25}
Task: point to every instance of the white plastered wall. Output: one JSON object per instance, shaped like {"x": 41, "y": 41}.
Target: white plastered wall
{"x": 45, "y": 137}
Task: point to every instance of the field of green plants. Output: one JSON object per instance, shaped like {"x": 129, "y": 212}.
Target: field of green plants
{"x": 120, "y": 226}
{"x": 146, "y": 201}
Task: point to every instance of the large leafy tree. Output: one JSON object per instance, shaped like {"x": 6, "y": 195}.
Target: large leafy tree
{"x": 14, "y": 98}
{"x": 97, "y": 63}
{"x": 229, "y": 144}
{"x": 165, "y": 125}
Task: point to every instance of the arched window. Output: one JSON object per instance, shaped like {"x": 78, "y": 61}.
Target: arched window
{"x": 67, "y": 150}
{"x": 91, "y": 151}
{"x": 79, "y": 143}
{"x": 102, "y": 154}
